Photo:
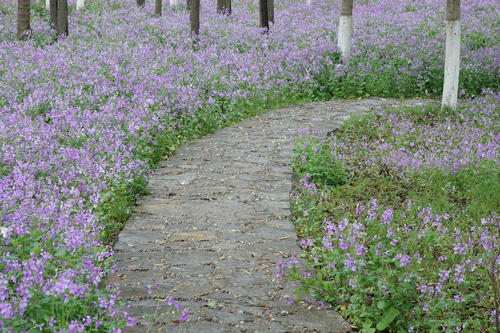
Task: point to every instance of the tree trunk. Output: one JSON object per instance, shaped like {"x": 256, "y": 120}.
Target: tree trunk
{"x": 80, "y": 4}
{"x": 344, "y": 40}
{"x": 452, "y": 55}
{"x": 141, "y": 3}
{"x": 194, "y": 17}
{"x": 264, "y": 19}
{"x": 270, "y": 10}
{"x": 23, "y": 19}
{"x": 47, "y": 5}
{"x": 220, "y": 6}
{"x": 224, "y": 7}
{"x": 158, "y": 7}
{"x": 62, "y": 17}
{"x": 53, "y": 14}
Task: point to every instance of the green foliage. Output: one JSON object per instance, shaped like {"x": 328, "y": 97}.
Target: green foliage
{"x": 116, "y": 206}
{"x": 50, "y": 310}
{"x": 317, "y": 161}
{"x": 4, "y": 11}
{"x": 38, "y": 9}
{"x": 95, "y": 6}
{"x": 477, "y": 39}
{"x": 40, "y": 110}
{"x": 43, "y": 309}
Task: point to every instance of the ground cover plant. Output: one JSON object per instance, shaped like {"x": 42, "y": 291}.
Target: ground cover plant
{"x": 398, "y": 214}
{"x": 83, "y": 120}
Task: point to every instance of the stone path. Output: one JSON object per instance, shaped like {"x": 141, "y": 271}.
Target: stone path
{"x": 215, "y": 225}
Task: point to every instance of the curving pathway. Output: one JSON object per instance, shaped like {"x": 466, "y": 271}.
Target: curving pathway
{"x": 215, "y": 225}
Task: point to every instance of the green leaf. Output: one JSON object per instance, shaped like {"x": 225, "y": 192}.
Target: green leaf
{"x": 388, "y": 317}
{"x": 367, "y": 324}
{"x": 60, "y": 253}
{"x": 381, "y": 305}
{"x": 368, "y": 330}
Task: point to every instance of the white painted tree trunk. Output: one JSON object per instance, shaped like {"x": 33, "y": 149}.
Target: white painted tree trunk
{"x": 80, "y": 4}
{"x": 309, "y": 2}
{"x": 344, "y": 36}
{"x": 344, "y": 41}
{"x": 451, "y": 64}
{"x": 47, "y": 5}
{"x": 175, "y": 3}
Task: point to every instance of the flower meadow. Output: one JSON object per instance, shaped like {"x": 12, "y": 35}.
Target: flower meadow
{"x": 398, "y": 214}
{"x": 84, "y": 119}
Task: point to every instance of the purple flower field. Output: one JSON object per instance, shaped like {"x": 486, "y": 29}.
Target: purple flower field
{"x": 80, "y": 117}
{"x": 407, "y": 148}
{"x": 407, "y": 237}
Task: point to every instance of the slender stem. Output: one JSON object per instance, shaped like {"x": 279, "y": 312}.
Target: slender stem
{"x": 494, "y": 285}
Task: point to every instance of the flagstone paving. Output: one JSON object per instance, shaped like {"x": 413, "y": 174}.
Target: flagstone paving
{"x": 216, "y": 223}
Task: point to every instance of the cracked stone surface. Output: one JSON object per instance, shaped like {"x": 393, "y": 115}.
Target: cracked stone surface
{"x": 215, "y": 225}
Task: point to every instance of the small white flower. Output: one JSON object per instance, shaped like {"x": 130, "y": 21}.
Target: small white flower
{"x": 4, "y": 231}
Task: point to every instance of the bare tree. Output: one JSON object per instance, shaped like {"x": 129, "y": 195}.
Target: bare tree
{"x": 452, "y": 54}
{"x": 158, "y": 7}
{"x": 23, "y": 19}
{"x": 264, "y": 19}
{"x": 344, "y": 40}
{"x": 194, "y": 17}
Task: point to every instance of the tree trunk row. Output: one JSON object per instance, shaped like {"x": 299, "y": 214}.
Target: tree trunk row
{"x": 58, "y": 17}
{"x": 59, "y": 21}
